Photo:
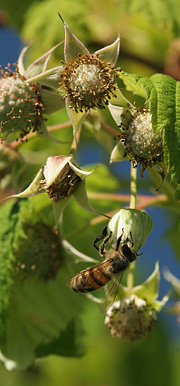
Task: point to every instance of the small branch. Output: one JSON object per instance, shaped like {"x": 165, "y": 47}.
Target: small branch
{"x": 20, "y": 141}
{"x": 109, "y": 128}
{"x": 143, "y": 201}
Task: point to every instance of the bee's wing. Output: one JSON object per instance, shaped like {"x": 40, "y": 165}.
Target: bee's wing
{"x": 111, "y": 290}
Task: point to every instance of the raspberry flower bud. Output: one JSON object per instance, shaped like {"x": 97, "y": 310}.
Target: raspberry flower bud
{"x": 136, "y": 225}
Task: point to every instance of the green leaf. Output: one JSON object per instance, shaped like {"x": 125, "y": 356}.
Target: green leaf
{"x": 36, "y": 305}
{"x": 177, "y": 193}
{"x": 168, "y": 118}
{"x": 39, "y": 314}
{"x": 8, "y": 223}
{"x": 132, "y": 84}
{"x": 159, "y": 12}
{"x": 66, "y": 344}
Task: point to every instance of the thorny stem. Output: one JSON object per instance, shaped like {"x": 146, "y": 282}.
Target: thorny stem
{"x": 133, "y": 187}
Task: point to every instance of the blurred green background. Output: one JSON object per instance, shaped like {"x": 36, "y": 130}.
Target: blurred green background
{"x": 150, "y": 43}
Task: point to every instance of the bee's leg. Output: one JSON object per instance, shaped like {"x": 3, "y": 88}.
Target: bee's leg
{"x": 102, "y": 246}
{"x": 119, "y": 240}
{"x": 100, "y": 237}
{"x": 131, "y": 240}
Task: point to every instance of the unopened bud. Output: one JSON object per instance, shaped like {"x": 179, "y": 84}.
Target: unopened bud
{"x": 135, "y": 225}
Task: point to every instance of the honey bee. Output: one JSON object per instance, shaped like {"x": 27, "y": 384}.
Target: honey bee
{"x": 116, "y": 261}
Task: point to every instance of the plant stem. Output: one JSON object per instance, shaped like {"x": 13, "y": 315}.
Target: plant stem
{"x": 61, "y": 126}
{"x": 75, "y": 142}
{"x": 108, "y": 128}
{"x": 133, "y": 187}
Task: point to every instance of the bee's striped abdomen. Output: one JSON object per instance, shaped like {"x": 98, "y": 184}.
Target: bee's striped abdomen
{"x": 89, "y": 280}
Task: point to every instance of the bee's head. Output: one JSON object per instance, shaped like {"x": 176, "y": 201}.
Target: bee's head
{"x": 128, "y": 251}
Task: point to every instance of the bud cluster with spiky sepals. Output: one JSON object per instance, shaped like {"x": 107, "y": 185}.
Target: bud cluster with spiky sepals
{"x": 89, "y": 82}
{"x": 20, "y": 105}
{"x": 140, "y": 142}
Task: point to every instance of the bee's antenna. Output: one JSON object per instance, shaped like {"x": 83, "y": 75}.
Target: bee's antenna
{"x": 139, "y": 254}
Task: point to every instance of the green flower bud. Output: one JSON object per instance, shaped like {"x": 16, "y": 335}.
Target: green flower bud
{"x": 20, "y": 106}
{"x": 131, "y": 319}
{"x": 136, "y": 225}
